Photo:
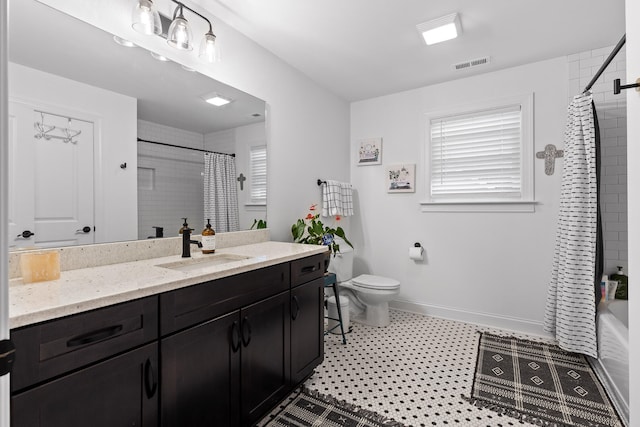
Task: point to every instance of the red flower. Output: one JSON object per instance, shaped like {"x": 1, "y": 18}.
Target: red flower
{"x": 338, "y": 217}
{"x": 313, "y": 207}
{"x": 309, "y": 216}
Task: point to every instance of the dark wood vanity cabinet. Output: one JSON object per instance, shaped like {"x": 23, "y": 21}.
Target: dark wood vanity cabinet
{"x": 97, "y": 368}
{"x": 307, "y": 316}
{"x": 220, "y": 353}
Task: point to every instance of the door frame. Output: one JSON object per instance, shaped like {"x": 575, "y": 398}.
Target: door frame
{"x": 4, "y": 218}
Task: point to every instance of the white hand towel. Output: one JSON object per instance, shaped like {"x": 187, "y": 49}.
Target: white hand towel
{"x": 347, "y": 199}
{"x": 331, "y": 198}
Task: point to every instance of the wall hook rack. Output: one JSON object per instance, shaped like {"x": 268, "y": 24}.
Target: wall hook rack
{"x": 617, "y": 87}
{"x": 45, "y": 131}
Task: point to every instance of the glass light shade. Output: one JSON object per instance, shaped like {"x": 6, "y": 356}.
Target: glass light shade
{"x": 145, "y": 19}
{"x": 208, "y": 50}
{"x": 179, "y": 35}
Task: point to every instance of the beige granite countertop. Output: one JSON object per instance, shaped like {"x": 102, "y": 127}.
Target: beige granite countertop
{"x": 90, "y": 288}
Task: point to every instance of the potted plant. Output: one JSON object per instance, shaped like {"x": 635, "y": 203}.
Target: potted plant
{"x": 312, "y": 231}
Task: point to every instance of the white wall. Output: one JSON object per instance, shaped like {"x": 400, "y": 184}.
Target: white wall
{"x": 633, "y": 153}
{"x": 247, "y": 137}
{"x": 114, "y": 117}
{"x": 170, "y": 181}
{"x": 307, "y": 126}
{"x": 491, "y": 268}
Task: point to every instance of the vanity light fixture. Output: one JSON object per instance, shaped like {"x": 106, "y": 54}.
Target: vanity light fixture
{"x": 440, "y": 29}
{"x": 179, "y": 35}
{"x": 123, "y": 42}
{"x": 159, "y": 57}
{"x": 145, "y": 18}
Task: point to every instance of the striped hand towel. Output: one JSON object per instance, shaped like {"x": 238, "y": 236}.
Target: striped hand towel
{"x": 337, "y": 198}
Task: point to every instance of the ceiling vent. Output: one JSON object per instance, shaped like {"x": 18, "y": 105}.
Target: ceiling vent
{"x": 471, "y": 63}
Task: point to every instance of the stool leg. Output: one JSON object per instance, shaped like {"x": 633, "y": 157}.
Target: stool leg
{"x": 336, "y": 292}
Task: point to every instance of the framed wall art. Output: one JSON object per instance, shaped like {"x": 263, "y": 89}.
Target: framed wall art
{"x": 401, "y": 178}
{"x": 370, "y": 151}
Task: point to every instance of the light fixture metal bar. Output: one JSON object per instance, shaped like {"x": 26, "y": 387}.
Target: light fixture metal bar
{"x": 193, "y": 11}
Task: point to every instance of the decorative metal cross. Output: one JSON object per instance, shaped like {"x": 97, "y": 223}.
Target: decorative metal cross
{"x": 241, "y": 179}
{"x": 550, "y": 154}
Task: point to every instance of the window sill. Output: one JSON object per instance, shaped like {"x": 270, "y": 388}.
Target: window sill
{"x": 256, "y": 206}
{"x": 479, "y": 206}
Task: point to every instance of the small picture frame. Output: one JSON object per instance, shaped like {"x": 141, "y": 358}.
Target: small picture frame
{"x": 370, "y": 152}
{"x": 401, "y": 178}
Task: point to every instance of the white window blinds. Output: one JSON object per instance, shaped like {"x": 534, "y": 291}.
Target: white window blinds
{"x": 258, "y": 171}
{"x": 477, "y": 155}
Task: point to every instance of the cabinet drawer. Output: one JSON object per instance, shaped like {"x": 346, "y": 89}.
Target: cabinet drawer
{"x": 306, "y": 269}
{"x": 189, "y": 306}
{"x": 49, "y": 349}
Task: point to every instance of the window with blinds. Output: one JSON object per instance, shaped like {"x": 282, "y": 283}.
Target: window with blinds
{"x": 258, "y": 174}
{"x": 477, "y": 155}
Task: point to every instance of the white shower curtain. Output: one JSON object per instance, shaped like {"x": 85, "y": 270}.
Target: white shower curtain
{"x": 571, "y": 300}
{"x": 220, "y": 192}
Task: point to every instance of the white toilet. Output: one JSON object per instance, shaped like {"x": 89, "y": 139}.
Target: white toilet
{"x": 368, "y": 295}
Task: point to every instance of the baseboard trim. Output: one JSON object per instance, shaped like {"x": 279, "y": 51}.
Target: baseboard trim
{"x": 483, "y": 319}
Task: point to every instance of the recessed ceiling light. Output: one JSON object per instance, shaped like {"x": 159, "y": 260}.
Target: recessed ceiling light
{"x": 123, "y": 42}
{"x": 440, "y": 29}
{"x": 217, "y": 100}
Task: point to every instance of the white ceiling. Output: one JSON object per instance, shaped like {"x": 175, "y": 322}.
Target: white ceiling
{"x": 360, "y": 49}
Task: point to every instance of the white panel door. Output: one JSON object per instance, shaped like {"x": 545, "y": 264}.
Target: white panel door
{"x": 52, "y": 185}
{"x": 21, "y": 201}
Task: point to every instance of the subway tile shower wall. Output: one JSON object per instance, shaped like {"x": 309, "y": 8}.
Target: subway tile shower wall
{"x": 612, "y": 118}
{"x": 169, "y": 180}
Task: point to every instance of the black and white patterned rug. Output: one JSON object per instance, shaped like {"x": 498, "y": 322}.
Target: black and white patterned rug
{"x": 311, "y": 408}
{"x": 540, "y": 384}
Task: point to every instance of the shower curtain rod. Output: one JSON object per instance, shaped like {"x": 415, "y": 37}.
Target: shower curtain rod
{"x": 613, "y": 53}
{"x": 184, "y": 148}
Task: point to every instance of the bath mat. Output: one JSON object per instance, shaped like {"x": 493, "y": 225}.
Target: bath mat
{"x": 539, "y": 383}
{"x": 311, "y": 408}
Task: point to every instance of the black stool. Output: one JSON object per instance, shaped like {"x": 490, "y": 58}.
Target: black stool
{"x": 331, "y": 281}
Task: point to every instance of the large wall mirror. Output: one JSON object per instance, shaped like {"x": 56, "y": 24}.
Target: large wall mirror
{"x": 107, "y": 142}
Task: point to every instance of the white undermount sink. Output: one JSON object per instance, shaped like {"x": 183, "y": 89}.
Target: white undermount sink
{"x": 192, "y": 264}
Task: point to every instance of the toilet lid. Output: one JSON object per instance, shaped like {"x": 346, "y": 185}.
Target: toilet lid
{"x": 375, "y": 282}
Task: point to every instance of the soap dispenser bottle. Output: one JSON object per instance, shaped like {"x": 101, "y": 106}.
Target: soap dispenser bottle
{"x": 622, "y": 292}
{"x": 208, "y": 239}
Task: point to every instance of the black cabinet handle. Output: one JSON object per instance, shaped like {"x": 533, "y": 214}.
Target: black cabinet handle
{"x": 26, "y": 234}
{"x": 94, "y": 336}
{"x": 85, "y": 229}
{"x": 294, "y": 303}
{"x": 150, "y": 383}
{"x": 246, "y": 331}
{"x": 309, "y": 268}
{"x": 235, "y": 337}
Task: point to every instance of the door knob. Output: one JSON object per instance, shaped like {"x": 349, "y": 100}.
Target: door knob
{"x": 26, "y": 234}
{"x": 84, "y": 229}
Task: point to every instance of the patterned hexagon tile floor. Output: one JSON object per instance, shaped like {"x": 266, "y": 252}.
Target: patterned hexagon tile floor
{"x": 413, "y": 371}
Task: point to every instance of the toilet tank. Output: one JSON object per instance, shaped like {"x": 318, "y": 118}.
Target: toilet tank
{"x": 342, "y": 263}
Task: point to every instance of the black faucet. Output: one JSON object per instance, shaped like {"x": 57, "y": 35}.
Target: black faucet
{"x": 187, "y": 241}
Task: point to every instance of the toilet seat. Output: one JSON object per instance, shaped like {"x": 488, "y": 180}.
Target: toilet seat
{"x": 375, "y": 282}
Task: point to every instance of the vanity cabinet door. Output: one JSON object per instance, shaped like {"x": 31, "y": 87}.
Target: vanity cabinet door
{"x": 307, "y": 334}
{"x": 201, "y": 374}
{"x": 265, "y": 356}
{"x": 122, "y": 391}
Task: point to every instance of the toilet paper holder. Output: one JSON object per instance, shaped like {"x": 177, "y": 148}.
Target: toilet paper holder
{"x": 416, "y": 252}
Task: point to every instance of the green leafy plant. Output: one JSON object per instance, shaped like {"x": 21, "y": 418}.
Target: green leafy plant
{"x": 258, "y": 224}
{"x": 312, "y": 231}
